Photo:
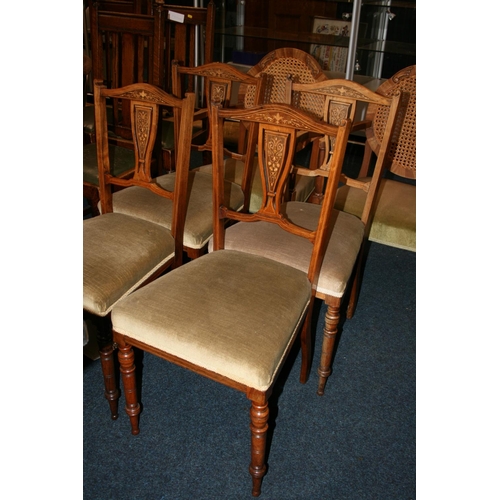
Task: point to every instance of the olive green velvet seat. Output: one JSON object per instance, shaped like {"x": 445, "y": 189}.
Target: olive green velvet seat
{"x": 143, "y": 204}
{"x": 268, "y": 240}
{"x": 394, "y": 217}
{"x": 395, "y": 212}
{"x": 224, "y": 316}
{"x": 119, "y": 254}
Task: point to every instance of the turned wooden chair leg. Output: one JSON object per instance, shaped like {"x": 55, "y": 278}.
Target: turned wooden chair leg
{"x": 259, "y": 415}
{"x": 332, "y": 318}
{"x": 356, "y": 282}
{"x": 127, "y": 369}
{"x": 108, "y": 371}
{"x": 306, "y": 348}
{"x": 106, "y": 354}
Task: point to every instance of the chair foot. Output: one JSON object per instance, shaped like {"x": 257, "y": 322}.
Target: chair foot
{"x": 306, "y": 348}
{"x": 259, "y": 415}
{"x": 127, "y": 369}
{"x": 106, "y": 355}
{"x": 356, "y": 283}
{"x": 332, "y": 318}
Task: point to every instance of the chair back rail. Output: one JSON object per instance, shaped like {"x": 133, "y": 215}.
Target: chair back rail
{"x": 275, "y": 128}
{"x": 144, "y": 102}
{"x": 338, "y": 100}
{"x": 279, "y": 65}
{"x": 220, "y": 81}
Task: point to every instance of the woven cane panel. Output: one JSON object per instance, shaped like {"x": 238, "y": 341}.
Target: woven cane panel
{"x": 402, "y": 151}
{"x": 277, "y": 71}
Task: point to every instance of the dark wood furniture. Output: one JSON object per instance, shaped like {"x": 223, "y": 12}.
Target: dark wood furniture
{"x": 122, "y": 54}
{"x": 186, "y": 35}
{"x": 130, "y": 46}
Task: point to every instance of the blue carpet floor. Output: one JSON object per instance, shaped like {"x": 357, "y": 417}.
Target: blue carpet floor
{"x": 356, "y": 442}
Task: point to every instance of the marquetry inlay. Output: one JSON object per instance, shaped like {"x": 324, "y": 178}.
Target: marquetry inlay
{"x": 278, "y": 119}
{"x": 142, "y": 95}
{"x": 342, "y": 92}
{"x": 275, "y": 147}
{"x": 218, "y": 93}
{"x": 338, "y": 111}
{"x": 143, "y": 126}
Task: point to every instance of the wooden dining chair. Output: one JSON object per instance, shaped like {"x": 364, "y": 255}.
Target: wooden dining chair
{"x": 394, "y": 218}
{"x": 122, "y": 253}
{"x": 186, "y": 35}
{"x": 280, "y": 65}
{"x": 336, "y": 100}
{"x": 231, "y": 316}
{"x": 122, "y": 54}
{"x": 143, "y": 204}
{"x": 221, "y": 83}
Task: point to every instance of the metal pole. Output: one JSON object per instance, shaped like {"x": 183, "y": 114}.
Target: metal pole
{"x": 353, "y": 40}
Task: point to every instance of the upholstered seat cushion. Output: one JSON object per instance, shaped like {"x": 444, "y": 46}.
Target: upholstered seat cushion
{"x": 231, "y": 313}
{"x": 142, "y": 203}
{"x": 234, "y": 173}
{"x": 395, "y": 220}
{"x": 121, "y": 160}
{"x": 269, "y": 240}
{"x": 119, "y": 253}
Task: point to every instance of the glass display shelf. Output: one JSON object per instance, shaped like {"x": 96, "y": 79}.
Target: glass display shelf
{"x": 383, "y": 32}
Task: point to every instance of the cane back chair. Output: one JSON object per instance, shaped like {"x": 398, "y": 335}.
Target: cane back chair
{"x": 278, "y": 66}
{"x": 228, "y": 315}
{"x": 394, "y": 218}
{"x": 122, "y": 253}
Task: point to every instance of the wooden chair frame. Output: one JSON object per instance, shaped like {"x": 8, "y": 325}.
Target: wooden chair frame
{"x": 337, "y": 100}
{"x": 145, "y": 101}
{"x": 268, "y": 125}
{"x": 220, "y": 81}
